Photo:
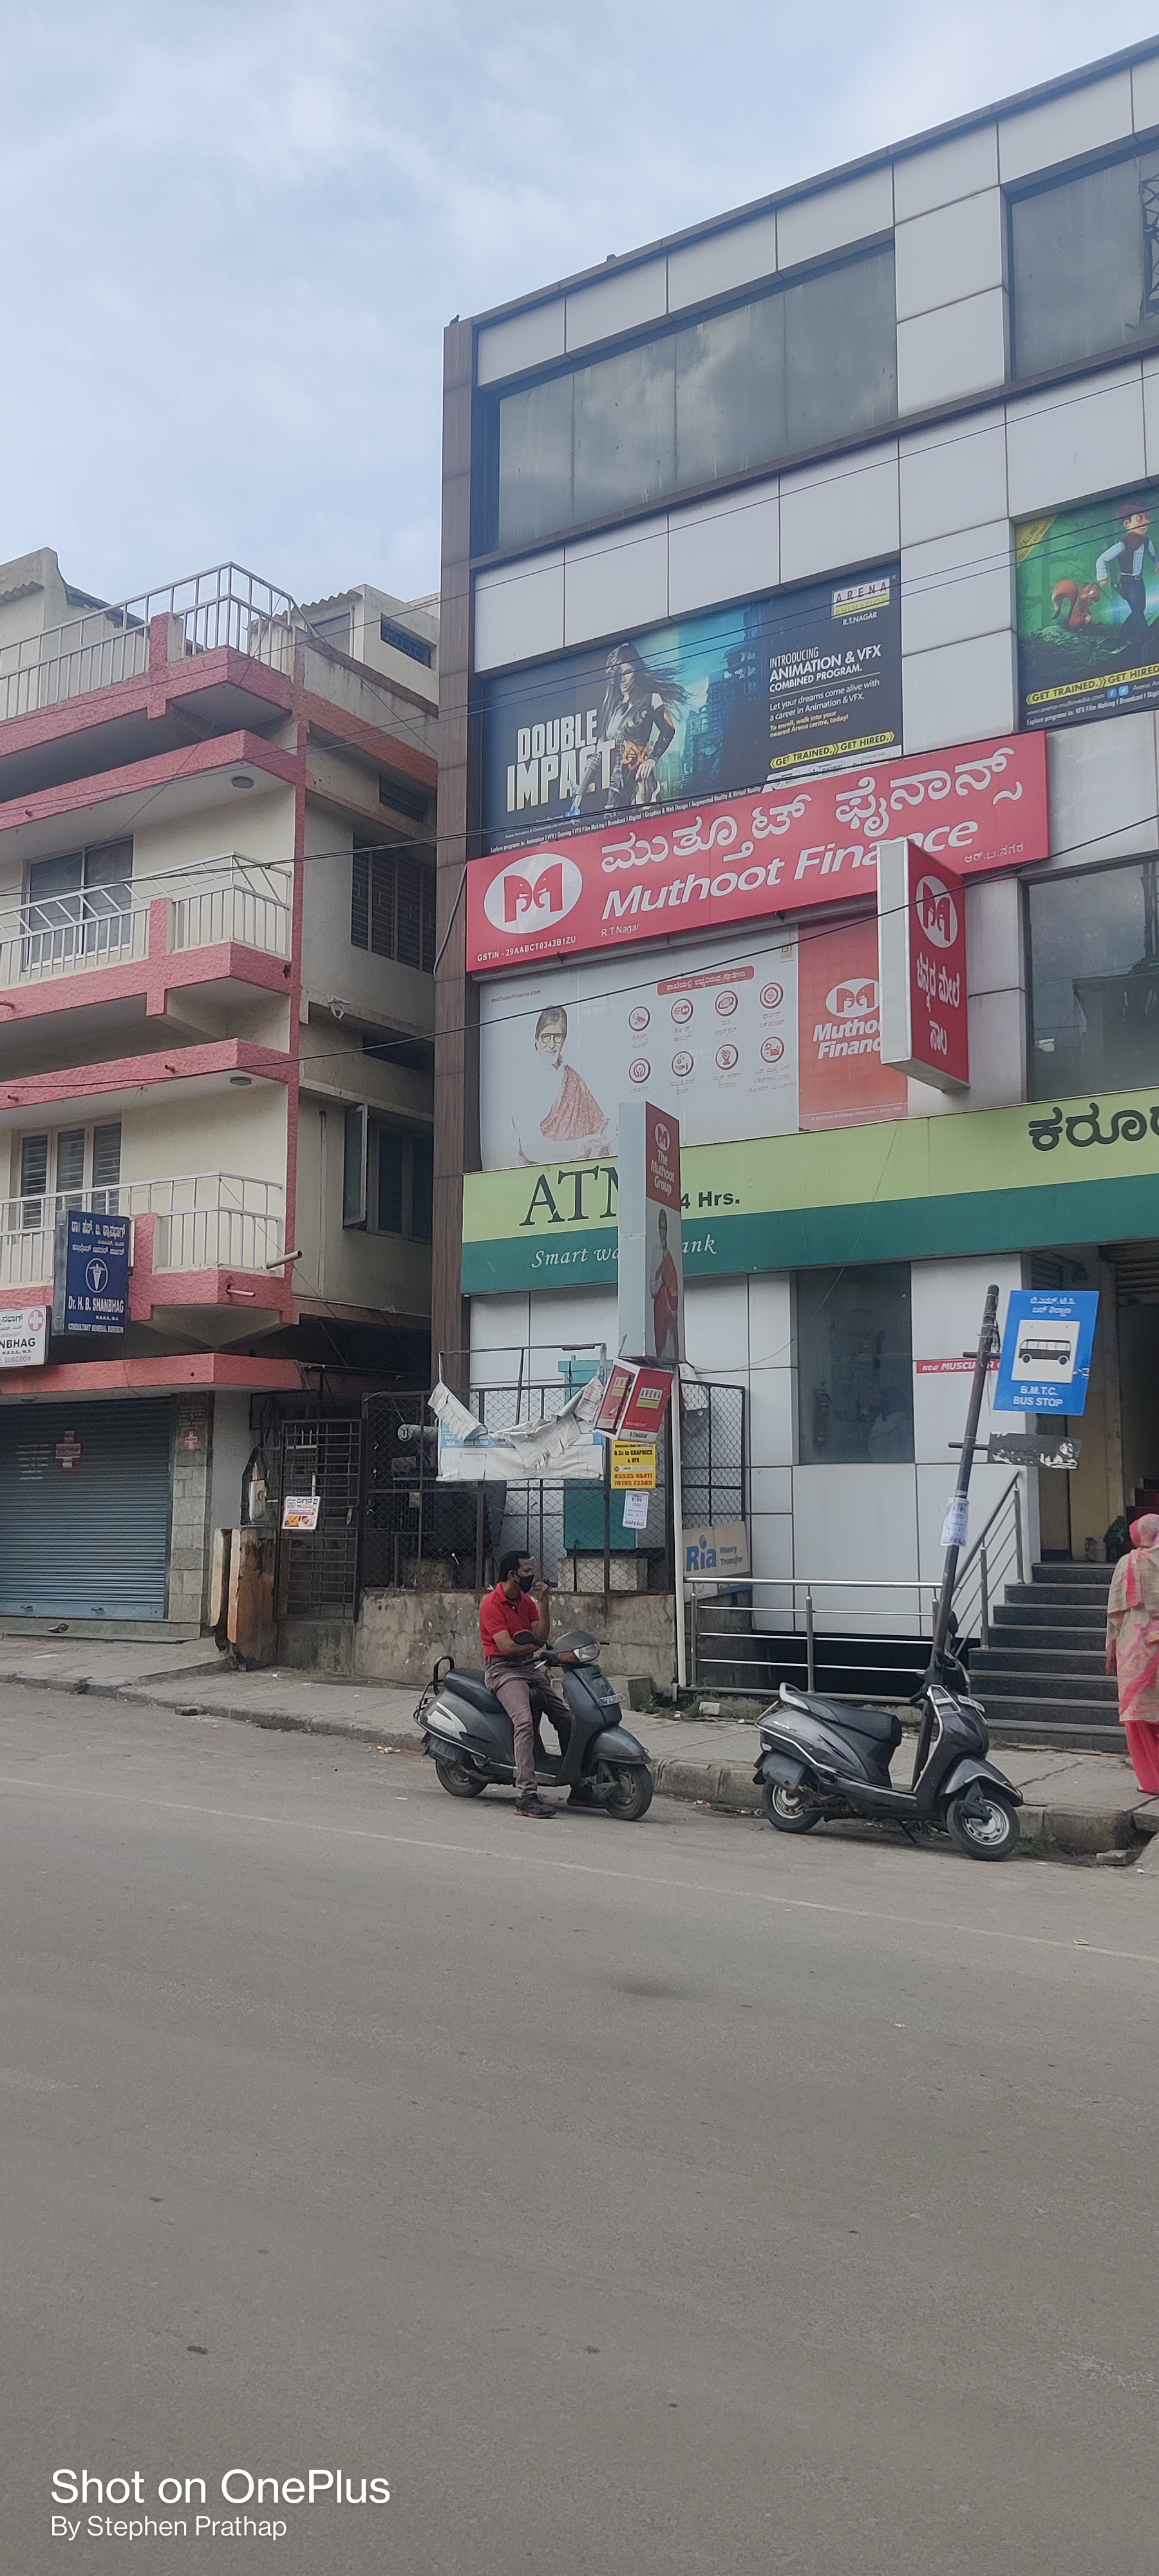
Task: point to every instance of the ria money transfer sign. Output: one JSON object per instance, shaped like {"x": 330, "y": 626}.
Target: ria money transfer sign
{"x": 697, "y": 708}
{"x": 800, "y": 843}
{"x": 1088, "y": 610}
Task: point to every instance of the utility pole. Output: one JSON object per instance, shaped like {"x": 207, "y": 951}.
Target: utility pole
{"x": 957, "y": 1513}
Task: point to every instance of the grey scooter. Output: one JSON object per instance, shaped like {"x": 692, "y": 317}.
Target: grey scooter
{"x": 468, "y": 1733}
{"x": 822, "y": 1758}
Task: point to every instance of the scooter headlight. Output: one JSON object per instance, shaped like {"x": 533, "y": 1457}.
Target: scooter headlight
{"x": 586, "y": 1654}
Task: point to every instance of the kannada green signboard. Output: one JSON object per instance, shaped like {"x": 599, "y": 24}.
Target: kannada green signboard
{"x": 1088, "y": 610}
{"x": 916, "y": 1189}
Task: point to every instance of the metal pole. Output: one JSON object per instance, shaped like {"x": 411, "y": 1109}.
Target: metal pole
{"x": 1018, "y": 1532}
{"x": 607, "y": 1524}
{"x": 966, "y": 1460}
{"x": 984, "y": 1618}
{"x": 678, "y": 1534}
{"x": 810, "y": 1669}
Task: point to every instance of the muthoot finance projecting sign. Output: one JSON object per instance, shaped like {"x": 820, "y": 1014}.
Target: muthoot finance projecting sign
{"x": 796, "y": 844}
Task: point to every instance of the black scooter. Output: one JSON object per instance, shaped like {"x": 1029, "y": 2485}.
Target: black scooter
{"x": 820, "y": 1758}
{"x": 468, "y": 1734}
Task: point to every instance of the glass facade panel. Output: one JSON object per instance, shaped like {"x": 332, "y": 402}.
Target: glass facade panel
{"x": 730, "y": 392}
{"x": 535, "y": 462}
{"x": 1094, "y": 958}
{"x": 855, "y": 1366}
{"x": 625, "y": 430}
{"x": 840, "y": 353}
{"x": 1082, "y": 259}
{"x": 795, "y": 368}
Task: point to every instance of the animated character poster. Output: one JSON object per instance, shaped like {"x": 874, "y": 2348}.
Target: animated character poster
{"x": 702, "y": 707}
{"x": 1088, "y": 610}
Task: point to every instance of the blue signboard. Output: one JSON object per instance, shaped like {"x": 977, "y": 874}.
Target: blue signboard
{"x": 91, "y": 1275}
{"x": 1046, "y": 1350}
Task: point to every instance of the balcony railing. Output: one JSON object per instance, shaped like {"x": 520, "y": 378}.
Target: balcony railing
{"x": 222, "y": 899}
{"x": 209, "y": 610}
{"x": 205, "y": 1221}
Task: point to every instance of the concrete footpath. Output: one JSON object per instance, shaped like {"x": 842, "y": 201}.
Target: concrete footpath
{"x": 1078, "y": 1805}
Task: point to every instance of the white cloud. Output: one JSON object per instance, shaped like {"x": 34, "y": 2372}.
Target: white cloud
{"x": 233, "y": 236}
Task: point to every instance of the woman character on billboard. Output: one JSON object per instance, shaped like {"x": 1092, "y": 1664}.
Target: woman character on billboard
{"x": 636, "y": 729}
{"x": 574, "y": 1123}
{"x": 664, "y": 1289}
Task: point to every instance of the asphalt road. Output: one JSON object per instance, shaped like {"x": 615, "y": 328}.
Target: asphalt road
{"x": 642, "y": 2200}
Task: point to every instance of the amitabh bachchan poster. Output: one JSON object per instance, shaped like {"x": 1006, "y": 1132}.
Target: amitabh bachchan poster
{"x": 702, "y": 707}
{"x": 1088, "y": 610}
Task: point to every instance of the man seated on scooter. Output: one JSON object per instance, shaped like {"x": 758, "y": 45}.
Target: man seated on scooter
{"x": 513, "y": 1626}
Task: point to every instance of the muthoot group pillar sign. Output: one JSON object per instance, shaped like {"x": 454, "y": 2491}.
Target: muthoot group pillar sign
{"x": 921, "y": 930}
{"x": 651, "y": 1300}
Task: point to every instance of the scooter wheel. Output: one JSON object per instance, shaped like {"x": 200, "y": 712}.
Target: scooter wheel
{"x": 457, "y": 1781}
{"x": 630, "y": 1794}
{"x": 792, "y": 1811}
{"x": 989, "y": 1833}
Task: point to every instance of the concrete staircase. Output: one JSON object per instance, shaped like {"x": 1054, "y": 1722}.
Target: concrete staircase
{"x": 1041, "y": 1678}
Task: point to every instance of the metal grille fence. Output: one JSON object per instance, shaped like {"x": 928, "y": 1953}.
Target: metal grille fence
{"x": 318, "y": 1570}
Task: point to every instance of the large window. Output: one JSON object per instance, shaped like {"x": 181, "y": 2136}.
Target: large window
{"x": 78, "y": 906}
{"x": 1094, "y": 970}
{"x": 1084, "y": 261}
{"x": 798, "y": 366}
{"x": 854, "y": 1366}
{"x": 68, "y": 1167}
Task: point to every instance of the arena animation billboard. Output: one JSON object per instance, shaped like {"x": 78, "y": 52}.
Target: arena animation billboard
{"x": 700, "y": 707}
{"x": 979, "y": 807}
{"x": 1088, "y": 610}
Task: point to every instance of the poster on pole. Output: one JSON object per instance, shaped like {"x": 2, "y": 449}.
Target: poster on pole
{"x": 651, "y": 1291}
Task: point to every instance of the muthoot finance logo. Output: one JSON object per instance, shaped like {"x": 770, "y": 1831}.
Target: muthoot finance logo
{"x": 854, "y": 1024}
{"x": 937, "y": 911}
{"x": 533, "y": 893}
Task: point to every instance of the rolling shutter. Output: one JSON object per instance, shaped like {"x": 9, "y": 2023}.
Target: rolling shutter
{"x": 84, "y": 1510}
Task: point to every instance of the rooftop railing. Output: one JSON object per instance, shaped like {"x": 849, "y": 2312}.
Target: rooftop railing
{"x": 226, "y": 606}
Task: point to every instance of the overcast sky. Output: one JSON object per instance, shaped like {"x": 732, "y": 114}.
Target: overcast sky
{"x": 234, "y": 229}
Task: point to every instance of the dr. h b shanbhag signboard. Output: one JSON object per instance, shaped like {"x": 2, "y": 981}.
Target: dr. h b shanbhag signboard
{"x": 91, "y": 1274}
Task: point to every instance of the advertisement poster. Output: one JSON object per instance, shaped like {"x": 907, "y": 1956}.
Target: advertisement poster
{"x": 1047, "y": 1340}
{"x": 842, "y": 1079}
{"x": 650, "y": 1308}
{"x": 1088, "y": 610}
{"x": 710, "y": 1036}
{"x": 700, "y": 707}
{"x": 811, "y": 841}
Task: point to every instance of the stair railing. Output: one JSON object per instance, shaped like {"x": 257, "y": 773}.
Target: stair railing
{"x": 997, "y": 1555}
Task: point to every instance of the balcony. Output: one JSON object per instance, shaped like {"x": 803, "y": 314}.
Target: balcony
{"x": 225, "y": 899}
{"x": 223, "y": 609}
{"x": 211, "y": 1221}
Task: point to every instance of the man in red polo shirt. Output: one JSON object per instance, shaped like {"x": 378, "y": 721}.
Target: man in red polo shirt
{"x": 505, "y": 1615}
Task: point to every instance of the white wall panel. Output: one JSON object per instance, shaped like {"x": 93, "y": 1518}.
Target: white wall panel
{"x": 953, "y": 477}
{"x": 737, "y": 257}
{"x": 618, "y": 302}
{"x": 957, "y": 586}
{"x": 500, "y": 1329}
{"x": 519, "y": 611}
{"x": 1103, "y": 802}
{"x": 620, "y": 580}
{"x": 1074, "y": 440}
{"x": 960, "y": 349}
{"x": 771, "y": 1543}
{"x": 1145, "y": 94}
{"x": 947, "y": 170}
{"x": 960, "y": 693}
{"x": 1062, "y": 128}
{"x": 721, "y": 549}
{"x": 840, "y": 514}
{"x": 851, "y": 212}
{"x": 716, "y": 1327}
{"x": 771, "y": 1489}
{"x": 565, "y": 1319}
{"x": 858, "y": 1522}
{"x": 994, "y": 934}
{"x": 525, "y": 340}
{"x": 953, "y": 252}
{"x": 1151, "y": 414}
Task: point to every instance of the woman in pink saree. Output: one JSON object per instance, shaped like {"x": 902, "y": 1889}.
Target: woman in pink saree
{"x": 1133, "y": 1647}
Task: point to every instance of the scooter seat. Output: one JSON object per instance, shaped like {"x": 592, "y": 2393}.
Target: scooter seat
{"x": 876, "y": 1723}
{"x": 472, "y": 1688}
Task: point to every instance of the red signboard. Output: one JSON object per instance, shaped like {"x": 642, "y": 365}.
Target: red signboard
{"x": 647, "y": 1404}
{"x": 922, "y": 952}
{"x": 615, "y": 1394}
{"x": 798, "y": 842}
{"x": 842, "y": 1078}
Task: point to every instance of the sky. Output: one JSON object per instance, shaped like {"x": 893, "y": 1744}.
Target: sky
{"x": 235, "y": 229}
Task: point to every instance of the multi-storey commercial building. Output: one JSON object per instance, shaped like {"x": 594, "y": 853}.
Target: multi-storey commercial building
{"x": 216, "y": 1003}
{"x": 831, "y": 521}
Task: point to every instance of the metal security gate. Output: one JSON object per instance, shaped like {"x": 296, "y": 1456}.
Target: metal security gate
{"x": 318, "y": 1570}
{"x": 84, "y": 1510}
